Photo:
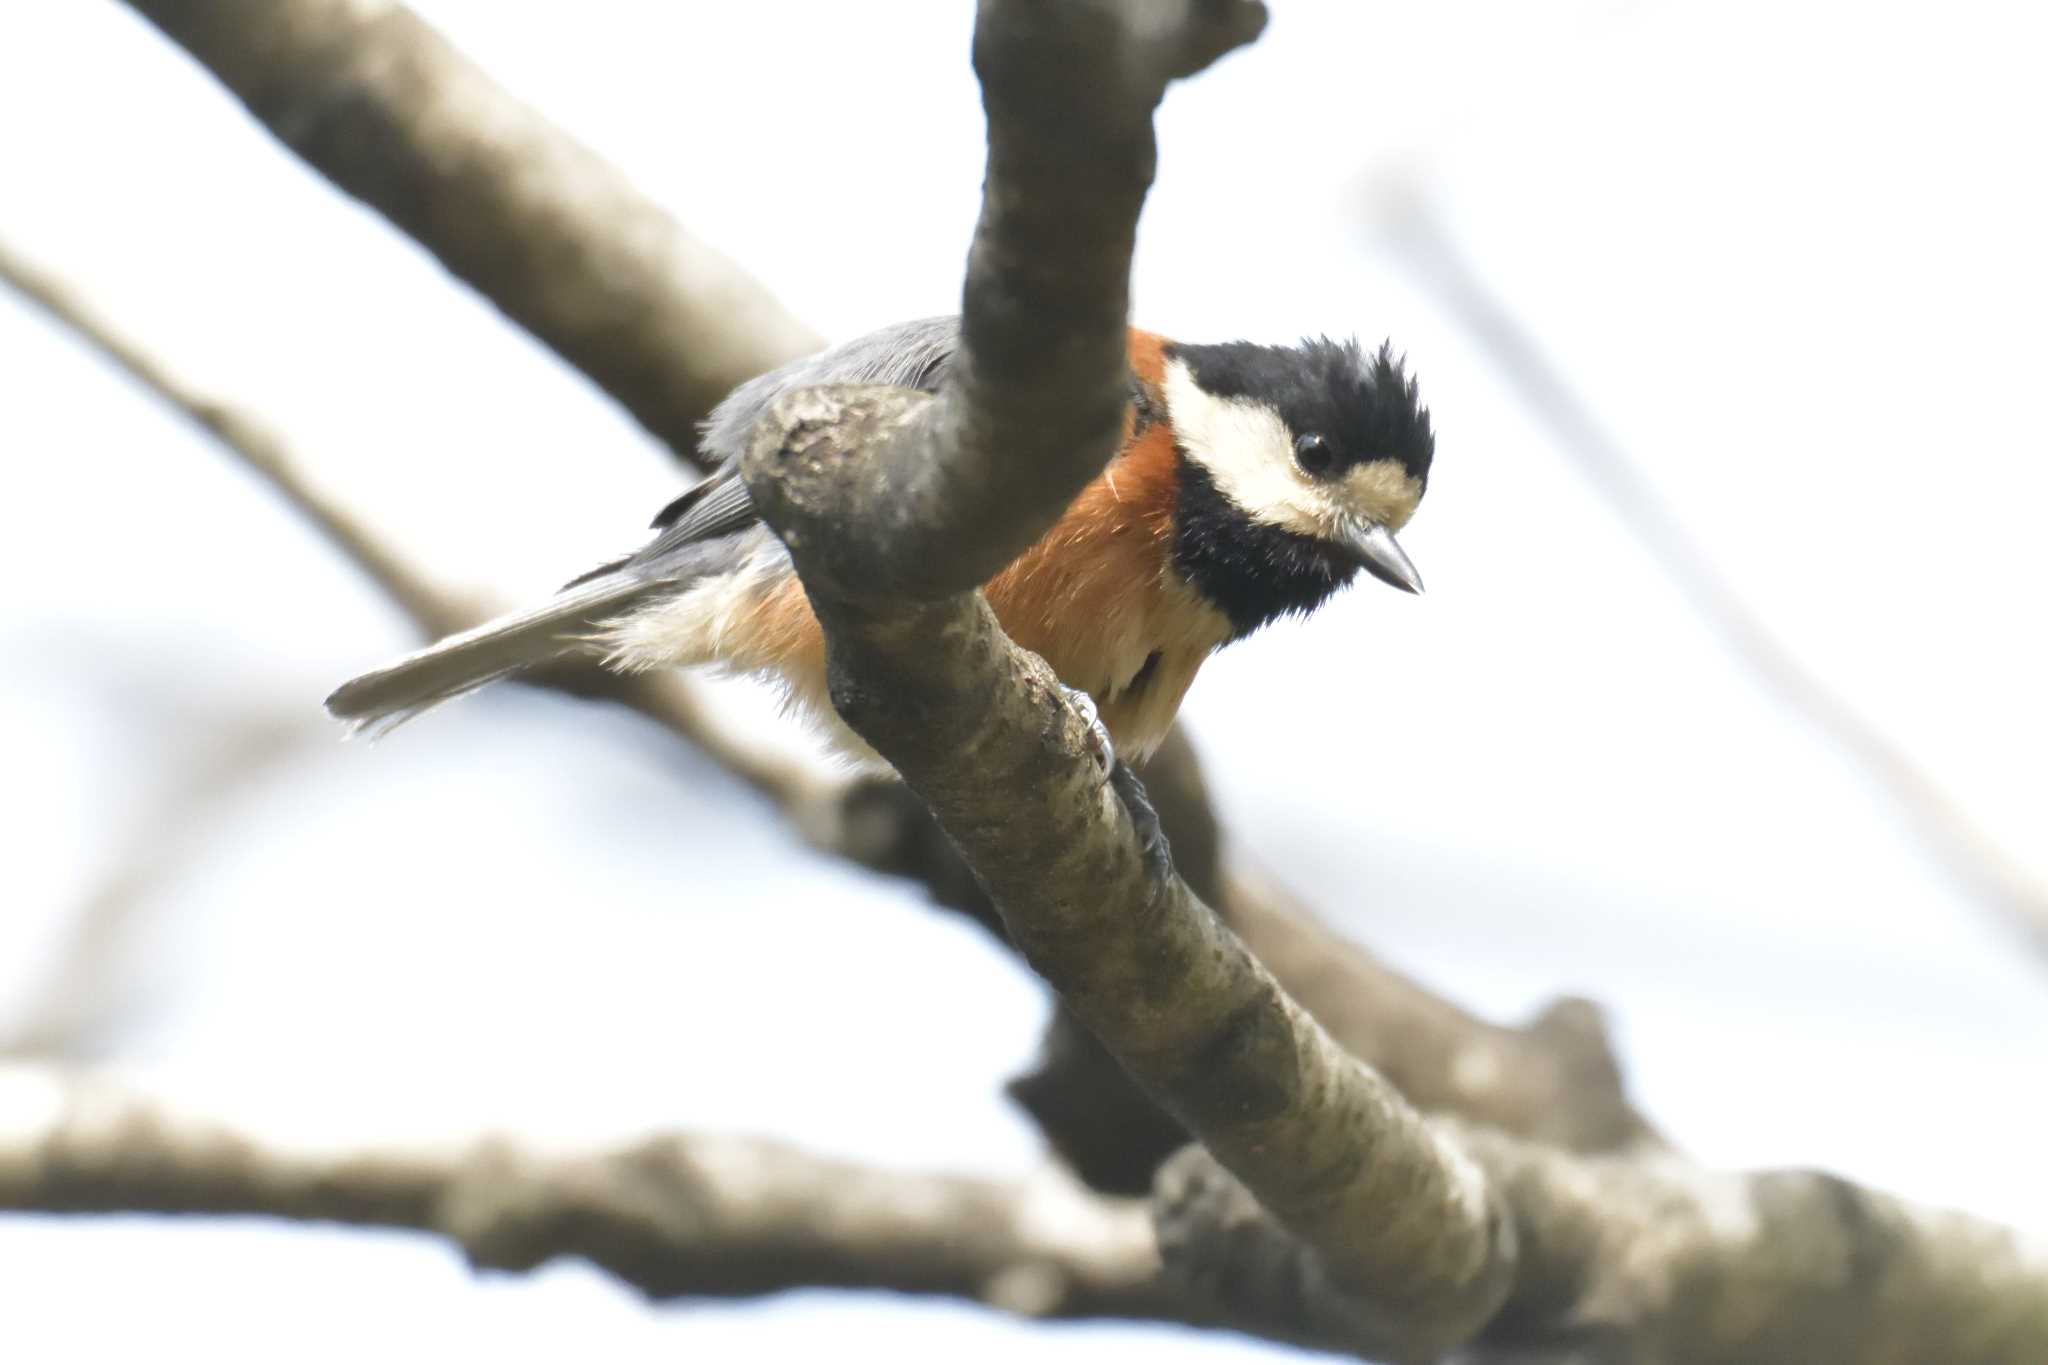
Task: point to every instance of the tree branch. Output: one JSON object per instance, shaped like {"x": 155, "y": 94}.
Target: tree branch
{"x": 383, "y": 106}
{"x": 1034, "y": 400}
{"x": 1176, "y": 998}
{"x": 1627, "y": 1259}
{"x": 1348, "y": 1219}
{"x": 1675, "y": 1263}
{"x": 252, "y": 440}
{"x": 667, "y": 699}
{"x": 1320, "y": 1193}
{"x": 1083, "y": 1098}
{"x": 1643, "y": 1258}
{"x": 72, "y": 1001}
{"x": 896, "y": 506}
{"x": 1980, "y": 866}
{"x": 674, "y": 1216}
{"x": 1554, "y": 1079}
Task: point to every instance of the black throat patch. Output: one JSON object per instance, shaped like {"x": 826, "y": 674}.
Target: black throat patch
{"x": 1252, "y": 572}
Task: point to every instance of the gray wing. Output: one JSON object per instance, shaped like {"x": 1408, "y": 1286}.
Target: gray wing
{"x": 909, "y": 355}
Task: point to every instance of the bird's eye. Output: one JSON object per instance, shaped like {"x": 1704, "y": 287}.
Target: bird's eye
{"x": 1313, "y": 453}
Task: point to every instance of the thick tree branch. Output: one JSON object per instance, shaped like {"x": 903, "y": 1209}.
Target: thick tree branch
{"x": 1403, "y": 1221}
{"x": 1517, "y": 1079}
{"x": 382, "y": 105}
{"x": 1034, "y": 401}
{"x": 1554, "y": 1079}
{"x": 895, "y": 506}
{"x": 1669, "y": 1262}
{"x": 1314, "y": 1184}
{"x": 1084, "y": 1099}
{"x": 1337, "y": 1214}
{"x": 1643, "y": 1259}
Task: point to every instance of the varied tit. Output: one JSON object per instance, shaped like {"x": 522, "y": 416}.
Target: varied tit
{"x": 1253, "y": 482}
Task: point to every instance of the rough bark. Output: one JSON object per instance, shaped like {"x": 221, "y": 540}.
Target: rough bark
{"x": 1319, "y": 1205}
{"x": 895, "y": 507}
{"x": 1645, "y": 1259}
{"x": 1554, "y": 1079}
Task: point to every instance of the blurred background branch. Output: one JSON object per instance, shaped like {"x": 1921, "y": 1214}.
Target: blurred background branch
{"x": 1640, "y": 1255}
{"x": 1979, "y": 863}
{"x": 562, "y": 243}
{"x": 669, "y": 700}
{"x": 674, "y": 1216}
{"x": 248, "y": 438}
{"x": 76, "y": 1003}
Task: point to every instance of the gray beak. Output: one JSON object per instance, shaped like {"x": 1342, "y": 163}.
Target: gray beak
{"x": 1384, "y": 558}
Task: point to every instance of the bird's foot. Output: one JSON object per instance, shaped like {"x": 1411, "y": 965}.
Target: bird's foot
{"x": 1129, "y": 790}
{"x": 1098, "y": 734}
{"x": 1145, "y": 821}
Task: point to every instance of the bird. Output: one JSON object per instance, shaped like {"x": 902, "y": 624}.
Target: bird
{"x": 1253, "y": 481}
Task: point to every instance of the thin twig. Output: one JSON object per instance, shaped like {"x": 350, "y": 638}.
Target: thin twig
{"x": 75, "y": 996}
{"x": 667, "y": 699}
{"x": 1980, "y": 865}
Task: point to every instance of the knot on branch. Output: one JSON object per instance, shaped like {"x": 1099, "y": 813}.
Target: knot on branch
{"x": 1052, "y": 51}
{"x": 1579, "y": 1024}
{"x": 641, "y": 1212}
{"x": 1219, "y": 1246}
{"x": 823, "y": 468}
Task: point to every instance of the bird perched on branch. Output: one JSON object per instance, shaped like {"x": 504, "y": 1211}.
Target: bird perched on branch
{"x": 1253, "y": 482}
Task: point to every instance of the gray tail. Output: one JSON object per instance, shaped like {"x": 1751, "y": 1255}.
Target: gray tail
{"x": 564, "y": 625}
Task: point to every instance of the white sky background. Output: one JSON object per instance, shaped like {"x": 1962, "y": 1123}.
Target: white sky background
{"x": 1790, "y": 253}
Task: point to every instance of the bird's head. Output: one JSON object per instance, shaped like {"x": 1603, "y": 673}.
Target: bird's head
{"x": 1299, "y": 465}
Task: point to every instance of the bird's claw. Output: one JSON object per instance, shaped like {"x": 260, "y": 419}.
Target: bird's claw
{"x": 1098, "y": 734}
{"x": 1129, "y": 790}
{"x": 1145, "y": 821}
